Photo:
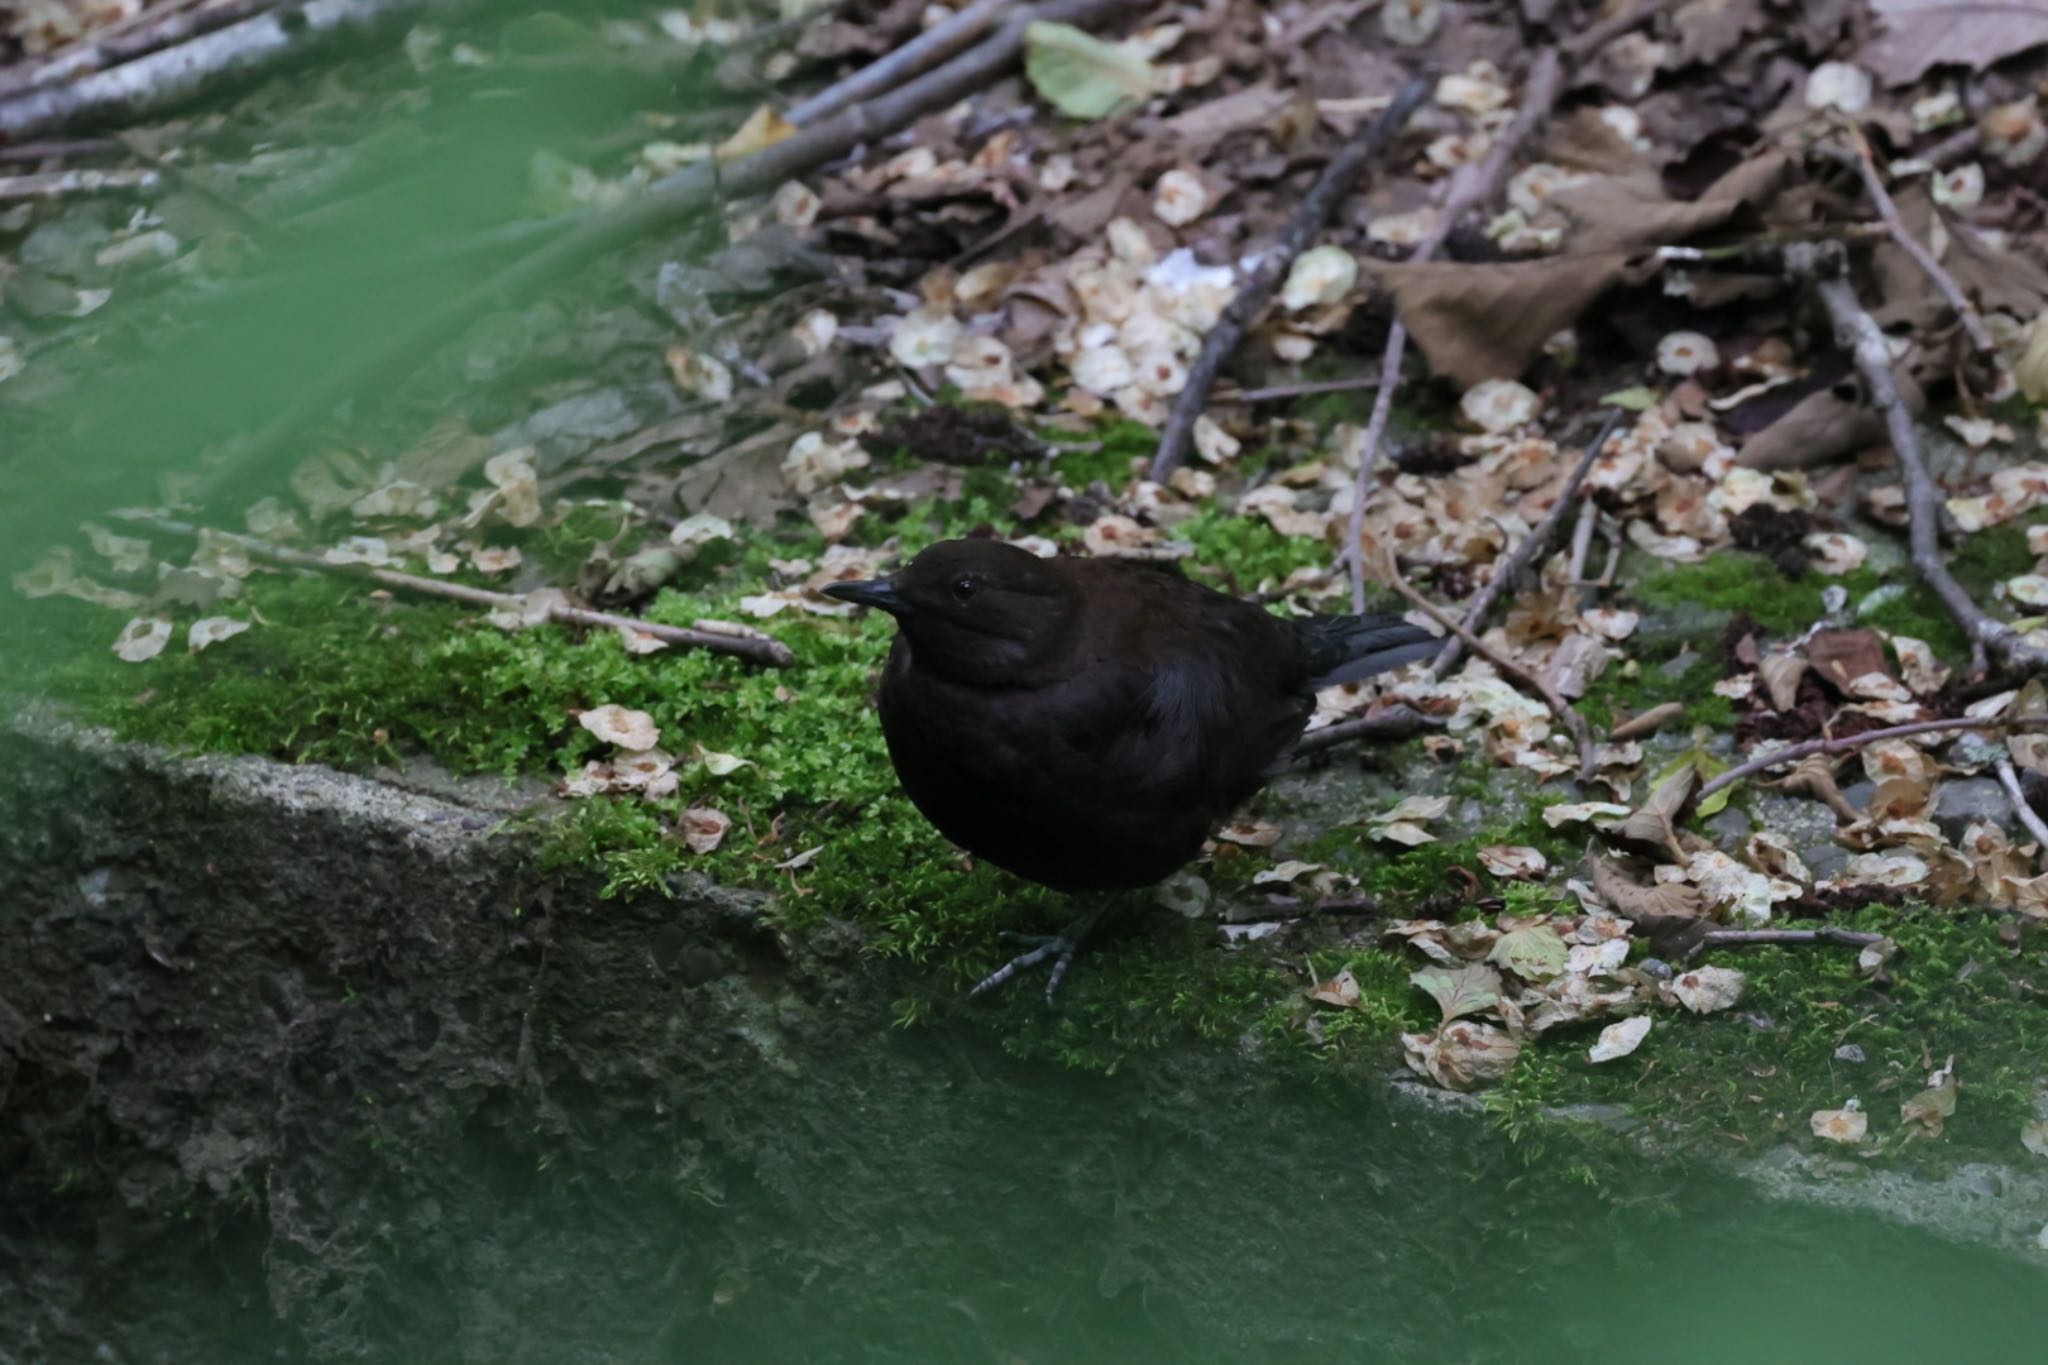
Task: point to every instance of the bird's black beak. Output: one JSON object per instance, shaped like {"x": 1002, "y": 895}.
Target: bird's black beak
{"x": 872, "y": 592}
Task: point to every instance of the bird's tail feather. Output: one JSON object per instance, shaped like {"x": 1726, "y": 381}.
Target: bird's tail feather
{"x": 1344, "y": 649}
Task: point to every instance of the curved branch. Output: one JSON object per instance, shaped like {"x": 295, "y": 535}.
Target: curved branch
{"x": 1316, "y": 207}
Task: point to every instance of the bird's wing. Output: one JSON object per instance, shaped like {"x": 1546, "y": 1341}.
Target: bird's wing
{"x": 1191, "y": 708}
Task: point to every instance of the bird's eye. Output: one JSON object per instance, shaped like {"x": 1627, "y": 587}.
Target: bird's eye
{"x": 963, "y": 588}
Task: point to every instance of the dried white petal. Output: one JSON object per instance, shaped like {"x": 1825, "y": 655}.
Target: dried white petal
{"x": 1683, "y": 353}
{"x": 1319, "y": 276}
{"x": 627, "y": 728}
{"x": 211, "y": 630}
{"x": 1838, "y": 85}
{"x": 143, "y": 638}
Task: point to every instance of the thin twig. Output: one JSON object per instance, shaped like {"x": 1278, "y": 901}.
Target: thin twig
{"x": 1824, "y": 266}
{"x": 1793, "y": 753}
{"x": 1744, "y": 938}
{"x": 1582, "y": 542}
{"x": 1559, "y": 707}
{"x": 58, "y": 184}
{"x": 1470, "y": 187}
{"x": 1251, "y": 300}
{"x": 152, "y": 30}
{"x": 189, "y": 67}
{"x": 759, "y": 649}
{"x": 1276, "y": 392}
{"x": 1859, "y": 155}
{"x": 2009, "y": 778}
{"x": 1393, "y": 723}
{"x": 920, "y": 54}
{"x": 669, "y": 200}
{"x": 58, "y": 149}
{"x": 1512, "y": 566}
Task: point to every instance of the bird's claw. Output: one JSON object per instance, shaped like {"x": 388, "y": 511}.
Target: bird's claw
{"x": 1059, "y": 947}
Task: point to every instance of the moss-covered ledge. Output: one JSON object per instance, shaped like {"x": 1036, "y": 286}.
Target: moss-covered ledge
{"x": 278, "y": 1002}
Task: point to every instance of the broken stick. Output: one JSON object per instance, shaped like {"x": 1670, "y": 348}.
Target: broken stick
{"x": 755, "y": 648}
{"x": 1559, "y": 707}
{"x": 1470, "y": 188}
{"x": 1793, "y": 753}
{"x": 1317, "y": 205}
{"x": 1824, "y": 267}
{"x": 1510, "y": 567}
{"x": 1745, "y": 938}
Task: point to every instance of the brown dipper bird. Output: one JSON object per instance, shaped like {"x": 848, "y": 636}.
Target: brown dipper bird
{"x": 1085, "y": 723}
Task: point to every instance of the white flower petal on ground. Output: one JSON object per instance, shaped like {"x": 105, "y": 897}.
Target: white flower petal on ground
{"x": 1179, "y": 197}
{"x": 1838, "y": 85}
{"x": 1683, "y": 353}
{"x": 1706, "y": 989}
{"x": 620, "y": 725}
{"x": 1498, "y": 406}
{"x": 704, "y": 828}
{"x": 1321, "y": 275}
{"x": 702, "y": 376}
{"x": 1848, "y": 1124}
{"x": 143, "y": 638}
{"x": 924, "y": 337}
{"x": 1618, "y": 1040}
{"x": 211, "y": 630}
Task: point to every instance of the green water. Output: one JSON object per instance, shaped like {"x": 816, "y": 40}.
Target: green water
{"x": 1035, "y": 1217}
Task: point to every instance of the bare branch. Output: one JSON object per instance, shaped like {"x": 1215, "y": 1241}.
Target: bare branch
{"x": 2010, "y": 780}
{"x": 58, "y": 184}
{"x": 1251, "y": 300}
{"x": 1396, "y": 722}
{"x": 759, "y": 649}
{"x": 1512, "y": 566}
{"x": 1823, "y": 266}
{"x": 1860, "y": 157}
{"x": 1559, "y": 707}
{"x": 1793, "y": 753}
{"x": 1470, "y": 187}
{"x": 1745, "y": 938}
{"x": 1276, "y": 392}
{"x": 159, "y": 79}
{"x": 962, "y": 28}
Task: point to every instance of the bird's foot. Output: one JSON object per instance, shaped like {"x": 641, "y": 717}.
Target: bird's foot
{"x": 1061, "y": 949}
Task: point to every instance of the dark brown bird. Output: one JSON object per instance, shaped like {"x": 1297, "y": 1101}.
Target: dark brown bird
{"x": 1085, "y": 723}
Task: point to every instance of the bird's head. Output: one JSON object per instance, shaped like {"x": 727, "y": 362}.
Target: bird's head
{"x": 979, "y": 611}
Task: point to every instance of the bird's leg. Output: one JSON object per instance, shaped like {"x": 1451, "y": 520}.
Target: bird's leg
{"x": 1061, "y": 948}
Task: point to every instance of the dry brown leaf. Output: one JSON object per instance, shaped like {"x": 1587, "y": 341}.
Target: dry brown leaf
{"x": 1919, "y": 34}
{"x": 1462, "y": 1055}
{"x": 1459, "y": 991}
{"x": 1340, "y": 990}
{"x": 1934, "y": 1106}
{"x": 1483, "y": 321}
{"x": 1781, "y": 674}
{"x": 1653, "y": 907}
{"x": 1842, "y": 656}
{"x": 1655, "y": 822}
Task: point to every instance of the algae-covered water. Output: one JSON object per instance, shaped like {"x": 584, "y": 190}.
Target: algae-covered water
{"x": 546, "y": 1153}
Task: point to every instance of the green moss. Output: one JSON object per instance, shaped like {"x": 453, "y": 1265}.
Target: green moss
{"x": 1109, "y": 456}
{"x": 1618, "y": 690}
{"x": 1246, "y": 549}
{"x": 1748, "y": 1079}
{"x": 1738, "y": 582}
{"x": 1982, "y": 561}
